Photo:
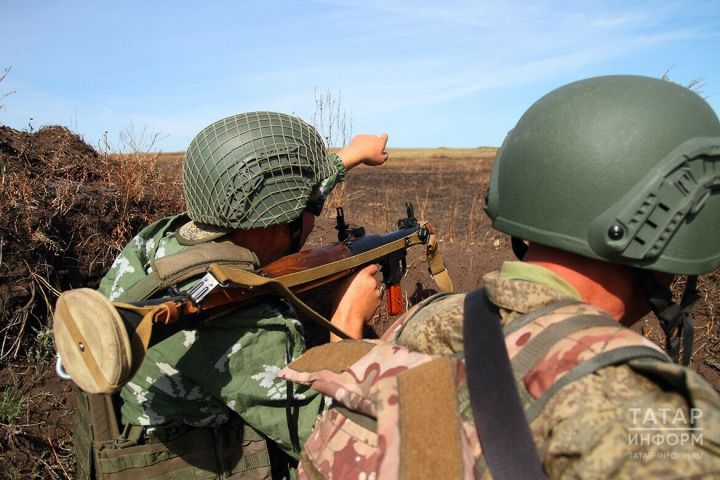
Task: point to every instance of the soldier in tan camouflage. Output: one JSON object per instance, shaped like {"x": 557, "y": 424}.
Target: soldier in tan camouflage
{"x": 613, "y": 182}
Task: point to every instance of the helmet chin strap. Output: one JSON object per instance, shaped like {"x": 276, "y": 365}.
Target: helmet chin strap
{"x": 519, "y": 247}
{"x": 675, "y": 319}
{"x": 295, "y": 228}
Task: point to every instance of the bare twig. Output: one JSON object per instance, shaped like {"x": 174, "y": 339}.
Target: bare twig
{"x": 2, "y": 77}
{"x": 331, "y": 119}
{"x": 40, "y": 279}
{"x": 58, "y": 461}
{"x": 696, "y": 84}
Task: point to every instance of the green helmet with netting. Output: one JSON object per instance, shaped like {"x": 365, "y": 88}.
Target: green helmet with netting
{"x": 253, "y": 170}
{"x": 624, "y": 169}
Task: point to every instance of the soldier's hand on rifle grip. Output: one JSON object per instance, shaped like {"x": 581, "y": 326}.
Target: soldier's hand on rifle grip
{"x": 365, "y": 149}
{"x": 356, "y": 301}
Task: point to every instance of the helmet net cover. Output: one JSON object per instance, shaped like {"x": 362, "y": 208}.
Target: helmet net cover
{"x": 253, "y": 170}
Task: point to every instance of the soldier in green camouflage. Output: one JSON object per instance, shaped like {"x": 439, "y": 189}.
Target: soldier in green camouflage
{"x": 613, "y": 182}
{"x": 257, "y": 180}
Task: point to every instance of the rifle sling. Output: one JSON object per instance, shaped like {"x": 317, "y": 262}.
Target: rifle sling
{"x": 322, "y": 271}
{"x": 259, "y": 285}
{"x": 227, "y": 275}
{"x": 437, "y": 266}
{"x": 295, "y": 279}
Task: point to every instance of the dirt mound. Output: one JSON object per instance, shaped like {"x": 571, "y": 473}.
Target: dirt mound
{"x": 49, "y": 142}
{"x": 65, "y": 212}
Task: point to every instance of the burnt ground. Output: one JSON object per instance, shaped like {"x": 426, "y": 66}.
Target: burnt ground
{"x": 66, "y": 211}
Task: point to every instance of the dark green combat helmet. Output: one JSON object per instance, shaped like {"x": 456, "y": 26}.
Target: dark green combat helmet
{"x": 624, "y": 169}
{"x": 253, "y": 170}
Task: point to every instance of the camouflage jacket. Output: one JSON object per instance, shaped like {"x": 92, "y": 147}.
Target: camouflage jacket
{"x": 198, "y": 377}
{"x": 637, "y": 419}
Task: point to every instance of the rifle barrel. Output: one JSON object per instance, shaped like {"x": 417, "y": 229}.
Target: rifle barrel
{"x": 368, "y": 242}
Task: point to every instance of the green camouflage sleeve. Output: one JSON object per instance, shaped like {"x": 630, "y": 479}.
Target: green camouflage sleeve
{"x": 133, "y": 263}
{"x": 246, "y": 374}
{"x": 329, "y": 183}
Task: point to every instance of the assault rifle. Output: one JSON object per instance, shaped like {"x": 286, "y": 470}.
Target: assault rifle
{"x": 101, "y": 343}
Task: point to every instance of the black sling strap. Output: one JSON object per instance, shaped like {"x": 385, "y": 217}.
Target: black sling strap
{"x": 502, "y": 427}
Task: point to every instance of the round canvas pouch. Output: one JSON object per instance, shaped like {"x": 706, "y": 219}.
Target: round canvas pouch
{"x": 92, "y": 340}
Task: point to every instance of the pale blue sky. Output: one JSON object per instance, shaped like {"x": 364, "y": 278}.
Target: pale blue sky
{"x": 430, "y": 73}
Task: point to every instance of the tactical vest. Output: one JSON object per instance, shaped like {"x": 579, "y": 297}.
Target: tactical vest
{"x": 106, "y": 449}
{"x": 403, "y": 414}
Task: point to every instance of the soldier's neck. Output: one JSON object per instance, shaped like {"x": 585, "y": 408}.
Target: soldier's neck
{"x": 610, "y": 287}
{"x": 268, "y": 243}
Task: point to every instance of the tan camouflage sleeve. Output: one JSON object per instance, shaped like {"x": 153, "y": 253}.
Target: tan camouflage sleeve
{"x": 617, "y": 423}
{"x": 433, "y": 326}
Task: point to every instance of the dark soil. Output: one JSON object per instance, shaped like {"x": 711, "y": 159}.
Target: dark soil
{"x": 67, "y": 210}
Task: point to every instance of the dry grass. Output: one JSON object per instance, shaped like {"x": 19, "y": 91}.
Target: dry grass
{"x": 35, "y": 426}
{"x": 419, "y": 154}
{"x": 398, "y": 155}
{"x": 170, "y": 162}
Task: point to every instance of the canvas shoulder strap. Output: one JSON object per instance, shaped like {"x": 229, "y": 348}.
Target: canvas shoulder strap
{"x": 508, "y": 445}
{"x": 188, "y": 263}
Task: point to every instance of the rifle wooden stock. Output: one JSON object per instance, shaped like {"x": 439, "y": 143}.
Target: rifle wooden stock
{"x": 308, "y": 259}
{"x": 322, "y": 266}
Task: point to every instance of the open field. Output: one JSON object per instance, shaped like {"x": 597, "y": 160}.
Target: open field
{"x": 420, "y": 157}
{"x": 65, "y": 212}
